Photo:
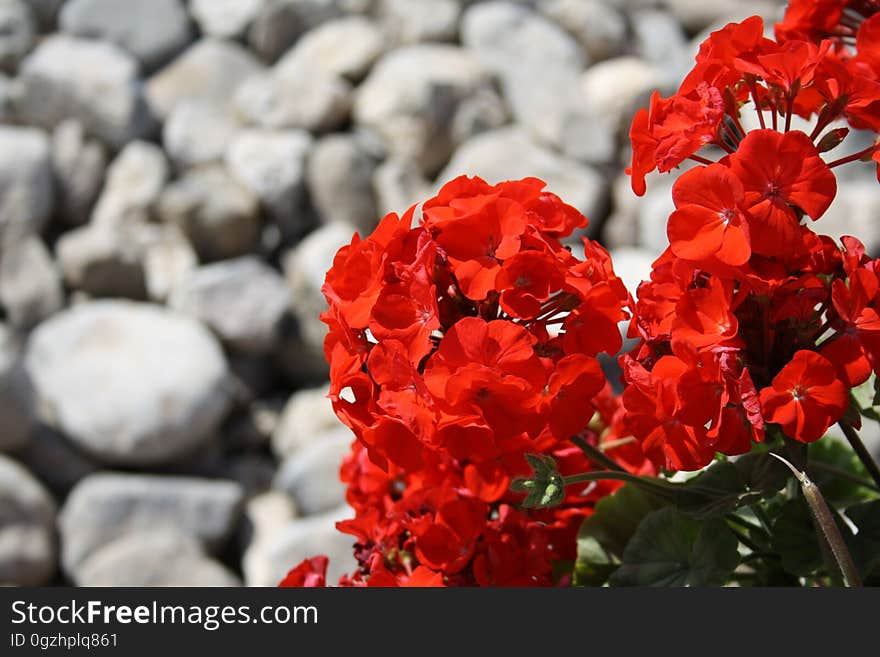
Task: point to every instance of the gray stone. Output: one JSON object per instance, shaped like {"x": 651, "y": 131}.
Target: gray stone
{"x": 167, "y": 258}
{"x": 653, "y": 210}
{"x": 242, "y": 300}
{"x": 27, "y": 528}
{"x": 79, "y": 164}
{"x": 398, "y": 185}
{"x": 209, "y": 70}
{"x": 26, "y": 187}
{"x": 424, "y": 100}
{"x": 102, "y": 262}
{"x": 633, "y": 265}
{"x": 600, "y": 29}
{"x": 281, "y": 23}
{"x": 659, "y": 39}
{"x": 16, "y": 421}
{"x": 17, "y": 31}
{"x": 301, "y": 363}
{"x": 135, "y": 179}
{"x": 54, "y": 459}
{"x": 694, "y": 15}
{"x": 92, "y": 81}
{"x": 197, "y": 132}
{"x": 412, "y": 21}
{"x": 268, "y": 514}
{"x": 130, "y": 383}
{"x": 305, "y": 267}
{"x": 107, "y": 506}
{"x": 311, "y": 475}
{"x": 340, "y": 181}
{"x": 151, "y": 30}
{"x": 153, "y": 558}
{"x": 307, "y": 414}
{"x": 346, "y": 47}
{"x": 271, "y": 164}
{"x": 267, "y": 562}
{"x": 227, "y": 19}
{"x": 539, "y": 66}
{"x": 216, "y": 212}
{"x": 299, "y": 95}
{"x": 853, "y": 212}
{"x": 511, "y": 153}
{"x": 10, "y": 92}
{"x": 45, "y": 11}
{"x": 30, "y": 284}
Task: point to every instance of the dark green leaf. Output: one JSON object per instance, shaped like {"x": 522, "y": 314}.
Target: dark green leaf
{"x": 866, "y": 516}
{"x": 838, "y": 490}
{"x": 865, "y": 398}
{"x": 761, "y": 473}
{"x": 796, "y": 541}
{"x": 604, "y": 535}
{"x": 672, "y": 549}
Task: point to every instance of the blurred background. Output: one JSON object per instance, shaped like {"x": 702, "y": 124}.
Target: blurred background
{"x": 175, "y": 177}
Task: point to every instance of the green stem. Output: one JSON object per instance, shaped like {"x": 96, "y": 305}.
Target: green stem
{"x": 861, "y": 451}
{"x": 744, "y": 539}
{"x": 597, "y": 455}
{"x": 761, "y": 515}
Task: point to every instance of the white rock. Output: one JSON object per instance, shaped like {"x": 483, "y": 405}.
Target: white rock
{"x": 17, "y": 31}
{"x": 197, "y": 132}
{"x": 307, "y": 414}
{"x": 107, "y": 506}
{"x": 242, "y": 300}
{"x": 617, "y": 87}
{"x": 660, "y": 40}
{"x": 271, "y": 164}
{"x": 340, "y": 181}
{"x": 633, "y": 265}
{"x": 167, "y": 259}
{"x": 510, "y": 154}
{"x": 300, "y": 95}
{"x": 599, "y": 28}
{"x": 153, "y": 558}
{"x": 266, "y": 563}
{"x": 134, "y": 180}
{"x": 27, "y": 528}
{"x": 26, "y": 186}
{"x": 30, "y": 284}
{"x": 346, "y": 47}
{"x": 311, "y": 475}
{"x": 79, "y": 164}
{"x": 424, "y": 100}
{"x": 103, "y": 261}
{"x": 225, "y": 18}
{"x": 694, "y": 15}
{"x": 16, "y": 417}
{"x": 209, "y": 70}
{"x": 853, "y": 212}
{"x": 151, "y": 30}
{"x": 130, "y": 383}
{"x": 305, "y": 267}
{"x": 398, "y": 185}
{"x": 216, "y": 212}
{"x": 539, "y": 66}
{"x": 93, "y": 81}
{"x": 412, "y": 21}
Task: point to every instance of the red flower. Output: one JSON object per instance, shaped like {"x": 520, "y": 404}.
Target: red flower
{"x": 781, "y": 172}
{"x": 311, "y": 573}
{"x": 806, "y": 397}
{"x": 709, "y": 221}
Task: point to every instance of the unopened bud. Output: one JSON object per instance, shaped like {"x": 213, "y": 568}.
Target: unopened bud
{"x": 832, "y": 139}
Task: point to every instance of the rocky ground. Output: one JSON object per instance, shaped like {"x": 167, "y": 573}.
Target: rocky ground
{"x": 175, "y": 178}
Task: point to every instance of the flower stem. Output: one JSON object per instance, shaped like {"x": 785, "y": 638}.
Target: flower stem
{"x": 853, "y": 157}
{"x": 596, "y": 455}
{"x": 861, "y": 451}
{"x": 844, "y": 474}
{"x": 826, "y": 526}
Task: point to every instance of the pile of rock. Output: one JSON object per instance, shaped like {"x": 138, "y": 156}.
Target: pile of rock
{"x": 175, "y": 178}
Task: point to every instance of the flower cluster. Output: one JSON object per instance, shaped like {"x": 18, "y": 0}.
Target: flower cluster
{"x": 458, "y": 344}
{"x": 750, "y": 318}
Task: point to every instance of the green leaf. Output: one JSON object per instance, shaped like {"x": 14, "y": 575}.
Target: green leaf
{"x": 795, "y": 539}
{"x": 671, "y": 549}
{"x": 761, "y": 473}
{"x": 603, "y": 536}
{"x": 838, "y": 491}
{"x": 866, "y": 516}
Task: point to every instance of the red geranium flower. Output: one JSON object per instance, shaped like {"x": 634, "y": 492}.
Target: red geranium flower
{"x": 806, "y": 397}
